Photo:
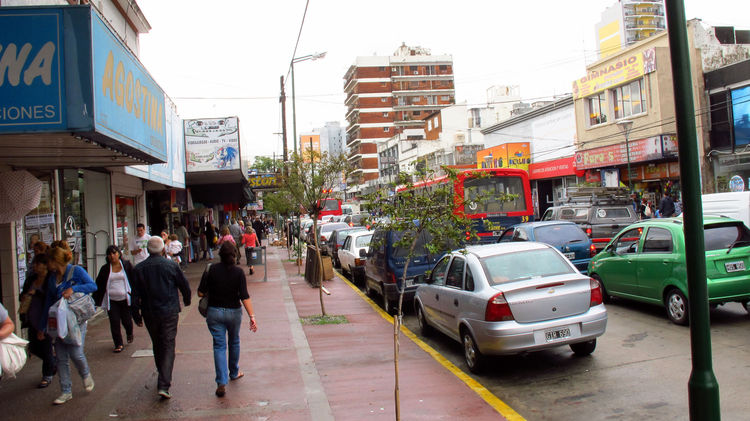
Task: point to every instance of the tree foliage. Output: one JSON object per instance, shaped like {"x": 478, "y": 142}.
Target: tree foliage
{"x": 264, "y": 164}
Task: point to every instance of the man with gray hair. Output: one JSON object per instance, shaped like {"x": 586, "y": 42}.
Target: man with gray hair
{"x": 156, "y": 301}
{"x": 236, "y": 231}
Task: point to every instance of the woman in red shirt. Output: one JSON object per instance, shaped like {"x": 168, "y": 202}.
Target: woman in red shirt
{"x": 249, "y": 240}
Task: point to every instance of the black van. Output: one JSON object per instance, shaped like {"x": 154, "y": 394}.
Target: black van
{"x": 384, "y": 268}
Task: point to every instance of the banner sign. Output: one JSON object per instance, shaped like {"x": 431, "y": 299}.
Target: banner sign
{"x": 212, "y": 144}
{"x": 614, "y": 73}
{"x": 507, "y": 155}
{"x": 555, "y": 168}
{"x": 263, "y": 181}
{"x": 640, "y": 150}
{"x": 32, "y": 92}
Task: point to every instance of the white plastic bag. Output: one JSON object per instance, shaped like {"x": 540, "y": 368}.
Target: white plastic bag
{"x": 12, "y": 355}
{"x": 62, "y": 317}
{"x": 73, "y": 335}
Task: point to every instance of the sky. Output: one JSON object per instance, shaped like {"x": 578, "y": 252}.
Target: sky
{"x": 225, "y": 57}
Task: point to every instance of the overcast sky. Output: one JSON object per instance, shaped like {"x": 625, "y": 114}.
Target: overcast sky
{"x": 202, "y": 53}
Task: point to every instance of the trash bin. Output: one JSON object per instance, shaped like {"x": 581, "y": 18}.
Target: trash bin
{"x": 256, "y": 256}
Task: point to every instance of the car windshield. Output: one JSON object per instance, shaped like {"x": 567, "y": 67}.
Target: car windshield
{"x": 363, "y": 241}
{"x": 522, "y": 265}
{"x": 419, "y": 249}
{"x": 722, "y": 236}
{"x": 482, "y": 194}
{"x": 559, "y": 235}
{"x": 330, "y": 204}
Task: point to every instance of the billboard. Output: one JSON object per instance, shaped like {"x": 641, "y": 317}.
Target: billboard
{"x": 308, "y": 141}
{"x": 741, "y": 115}
{"x": 507, "y": 155}
{"x": 624, "y": 69}
{"x": 212, "y": 144}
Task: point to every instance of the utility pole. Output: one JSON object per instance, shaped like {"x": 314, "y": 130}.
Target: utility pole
{"x": 282, "y": 100}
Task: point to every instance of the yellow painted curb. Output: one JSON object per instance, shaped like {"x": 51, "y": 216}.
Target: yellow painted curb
{"x": 499, "y": 406}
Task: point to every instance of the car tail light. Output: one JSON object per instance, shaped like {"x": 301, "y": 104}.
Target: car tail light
{"x": 359, "y": 261}
{"x": 351, "y": 224}
{"x": 588, "y": 232}
{"x": 592, "y": 250}
{"x": 323, "y": 238}
{"x": 391, "y": 278}
{"x": 498, "y": 309}
{"x": 596, "y": 292}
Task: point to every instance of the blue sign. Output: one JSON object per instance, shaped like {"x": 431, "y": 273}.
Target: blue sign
{"x": 171, "y": 173}
{"x": 32, "y": 94}
{"x": 128, "y": 104}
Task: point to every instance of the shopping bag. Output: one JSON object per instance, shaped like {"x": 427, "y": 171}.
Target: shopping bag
{"x": 73, "y": 335}
{"x": 12, "y": 355}
{"x": 82, "y": 305}
{"x": 57, "y": 325}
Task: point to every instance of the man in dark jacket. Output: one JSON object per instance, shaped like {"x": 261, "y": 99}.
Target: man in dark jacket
{"x": 258, "y": 227}
{"x": 156, "y": 301}
{"x": 666, "y": 206}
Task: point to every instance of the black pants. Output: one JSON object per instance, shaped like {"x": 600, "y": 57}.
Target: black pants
{"x": 43, "y": 350}
{"x": 163, "y": 329}
{"x": 119, "y": 312}
{"x": 249, "y": 255}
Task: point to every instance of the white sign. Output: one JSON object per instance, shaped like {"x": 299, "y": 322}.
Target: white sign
{"x": 212, "y": 144}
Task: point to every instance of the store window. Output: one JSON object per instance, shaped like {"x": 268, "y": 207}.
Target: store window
{"x": 629, "y": 99}
{"x": 39, "y": 224}
{"x": 597, "y": 109}
{"x": 72, "y": 213}
{"x": 125, "y": 221}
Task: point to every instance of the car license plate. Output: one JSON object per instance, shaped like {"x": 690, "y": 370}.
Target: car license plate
{"x": 409, "y": 282}
{"x": 497, "y": 233}
{"x": 570, "y": 256}
{"x": 553, "y": 335}
{"x": 735, "y": 266}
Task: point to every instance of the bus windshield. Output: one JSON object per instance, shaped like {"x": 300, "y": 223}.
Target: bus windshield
{"x": 330, "y": 204}
{"x": 483, "y": 195}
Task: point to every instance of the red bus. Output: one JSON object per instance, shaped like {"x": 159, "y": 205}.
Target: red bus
{"x": 491, "y": 217}
{"x": 329, "y": 206}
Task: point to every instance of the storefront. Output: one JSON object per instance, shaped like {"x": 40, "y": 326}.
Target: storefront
{"x": 549, "y": 181}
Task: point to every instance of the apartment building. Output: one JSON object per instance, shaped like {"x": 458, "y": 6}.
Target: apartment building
{"x": 627, "y": 22}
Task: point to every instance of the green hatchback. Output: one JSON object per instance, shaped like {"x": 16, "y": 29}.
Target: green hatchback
{"x": 646, "y": 262}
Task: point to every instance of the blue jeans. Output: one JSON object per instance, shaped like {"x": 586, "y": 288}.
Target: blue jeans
{"x": 224, "y": 325}
{"x": 65, "y": 353}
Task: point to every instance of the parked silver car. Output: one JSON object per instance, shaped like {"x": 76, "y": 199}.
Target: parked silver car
{"x": 509, "y": 298}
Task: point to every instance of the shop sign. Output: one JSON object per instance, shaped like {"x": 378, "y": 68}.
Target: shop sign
{"x": 261, "y": 181}
{"x": 615, "y": 72}
{"x": 640, "y": 150}
{"x": 656, "y": 171}
{"x": 32, "y": 93}
{"x": 674, "y": 169}
{"x": 555, "y": 168}
{"x": 736, "y": 183}
{"x": 507, "y": 155}
{"x": 128, "y": 104}
{"x": 669, "y": 144}
{"x": 636, "y": 172}
{"x": 593, "y": 176}
{"x": 212, "y": 144}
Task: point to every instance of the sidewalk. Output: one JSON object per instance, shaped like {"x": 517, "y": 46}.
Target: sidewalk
{"x": 292, "y": 372}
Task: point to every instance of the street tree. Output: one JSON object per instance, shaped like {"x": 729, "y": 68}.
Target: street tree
{"x": 280, "y": 203}
{"x": 422, "y": 210}
{"x": 264, "y": 164}
{"x": 310, "y": 179}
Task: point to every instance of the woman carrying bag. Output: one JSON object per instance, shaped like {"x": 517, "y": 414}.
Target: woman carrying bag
{"x": 226, "y": 287}
{"x": 35, "y": 290}
{"x": 64, "y": 280}
{"x": 113, "y": 293}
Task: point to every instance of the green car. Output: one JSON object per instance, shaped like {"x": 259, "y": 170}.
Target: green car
{"x": 646, "y": 262}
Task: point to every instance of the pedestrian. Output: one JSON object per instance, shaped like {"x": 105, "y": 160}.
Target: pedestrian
{"x": 113, "y": 293}
{"x": 236, "y": 231}
{"x": 35, "y": 290}
{"x": 666, "y": 206}
{"x": 225, "y": 237}
{"x": 174, "y": 249}
{"x": 138, "y": 244}
{"x": 226, "y": 287}
{"x": 6, "y": 324}
{"x": 249, "y": 240}
{"x": 156, "y": 288}
{"x": 64, "y": 280}
{"x": 184, "y": 237}
{"x": 195, "y": 241}
{"x": 645, "y": 209}
{"x": 258, "y": 227}
{"x": 210, "y": 241}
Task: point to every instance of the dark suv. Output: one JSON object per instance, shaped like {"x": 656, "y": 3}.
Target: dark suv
{"x": 599, "y": 214}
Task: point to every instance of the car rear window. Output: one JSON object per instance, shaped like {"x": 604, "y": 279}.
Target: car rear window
{"x": 527, "y": 264}
{"x": 330, "y": 204}
{"x": 722, "y": 236}
{"x": 419, "y": 249}
{"x": 558, "y": 235}
{"x": 612, "y": 213}
{"x": 363, "y": 241}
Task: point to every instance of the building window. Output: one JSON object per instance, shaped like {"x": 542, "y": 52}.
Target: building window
{"x": 385, "y": 114}
{"x": 429, "y": 124}
{"x": 386, "y": 129}
{"x": 443, "y": 67}
{"x": 629, "y": 99}
{"x": 437, "y": 122}
{"x": 416, "y": 113}
{"x": 383, "y": 83}
{"x": 381, "y": 68}
{"x": 383, "y": 99}
{"x": 445, "y": 98}
{"x": 597, "y": 109}
{"x": 413, "y": 68}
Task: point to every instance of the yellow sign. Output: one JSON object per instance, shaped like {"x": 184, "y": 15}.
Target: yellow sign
{"x": 306, "y": 143}
{"x": 507, "y": 155}
{"x": 259, "y": 181}
{"x": 614, "y": 73}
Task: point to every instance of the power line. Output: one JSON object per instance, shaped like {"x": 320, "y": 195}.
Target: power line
{"x": 296, "y": 44}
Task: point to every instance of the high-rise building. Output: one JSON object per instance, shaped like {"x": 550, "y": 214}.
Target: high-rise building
{"x": 387, "y": 94}
{"x": 332, "y": 137}
{"x": 628, "y": 21}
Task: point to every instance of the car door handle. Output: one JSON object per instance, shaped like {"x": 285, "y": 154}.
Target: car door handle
{"x": 665, "y": 261}
{"x": 455, "y": 302}
{"x": 437, "y": 297}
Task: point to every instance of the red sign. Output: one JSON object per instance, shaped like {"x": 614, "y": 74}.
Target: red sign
{"x": 555, "y": 168}
{"x": 640, "y": 150}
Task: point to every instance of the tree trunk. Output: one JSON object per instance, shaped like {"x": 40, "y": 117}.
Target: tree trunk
{"x": 320, "y": 265}
{"x": 397, "y": 327}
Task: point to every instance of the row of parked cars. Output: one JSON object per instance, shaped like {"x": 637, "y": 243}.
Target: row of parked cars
{"x": 545, "y": 283}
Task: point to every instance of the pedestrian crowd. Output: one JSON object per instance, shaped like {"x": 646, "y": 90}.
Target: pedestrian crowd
{"x": 667, "y": 207}
{"x": 56, "y": 295}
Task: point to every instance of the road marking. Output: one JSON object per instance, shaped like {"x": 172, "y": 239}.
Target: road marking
{"x": 495, "y": 402}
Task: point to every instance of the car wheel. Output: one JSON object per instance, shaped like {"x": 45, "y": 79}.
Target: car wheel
{"x": 424, "y": 328}
{"x": 583, "y": 349}
{"x": 474, "y": 359}
{"x": 605, "y": 296}
{"x": 336, "y": 262}
{"x": 677, "y": 307}
{"x": 368, "y": 291}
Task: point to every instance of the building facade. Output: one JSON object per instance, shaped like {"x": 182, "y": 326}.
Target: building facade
{"x": 627, "y": 22}
{"x": 388, "y": 94}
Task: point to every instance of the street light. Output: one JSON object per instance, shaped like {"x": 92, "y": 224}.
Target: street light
{"x": 294, "y": 97}
{"x": 625, "y": 126}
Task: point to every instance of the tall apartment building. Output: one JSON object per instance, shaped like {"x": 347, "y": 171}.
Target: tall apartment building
{"x": 628, "y": 21}
{"x": 332, "y": 137}
{"x": 387, "y": 94}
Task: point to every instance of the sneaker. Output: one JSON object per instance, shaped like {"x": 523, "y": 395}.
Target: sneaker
{"x": 63, "y": 398}
{"x": 88, "y": 383}
{"x": 164, "y": 393}
{"x": 220, "y": 391}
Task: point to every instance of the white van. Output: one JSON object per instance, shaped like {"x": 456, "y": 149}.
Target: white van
{"x": 733, "y": 205}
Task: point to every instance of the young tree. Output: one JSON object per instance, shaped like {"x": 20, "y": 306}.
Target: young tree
{"x": 280, "y": 203}
{"x": 422, "y": 211}
{"x": 310, "y": 179}
{"x": 265, "y": 164}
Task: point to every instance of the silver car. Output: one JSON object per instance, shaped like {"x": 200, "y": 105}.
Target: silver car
{"x": 510, "y": 298}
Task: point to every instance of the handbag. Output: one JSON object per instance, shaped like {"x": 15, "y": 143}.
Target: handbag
{"x": 80, "y": 303}
{"x": 23, "y": 308}
{"x": 12, "y": 355}
{"x": 203, "y": 303}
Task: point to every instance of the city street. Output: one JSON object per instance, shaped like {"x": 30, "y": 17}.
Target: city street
{"x": 640, "y": 369}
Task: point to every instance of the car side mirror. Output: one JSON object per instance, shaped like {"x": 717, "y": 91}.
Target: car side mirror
{"x": 610, "y": 247}
{"x": 421, "y": 279}
{"x": 362, "y": 253}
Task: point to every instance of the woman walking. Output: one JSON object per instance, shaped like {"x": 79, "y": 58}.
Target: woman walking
{"x": 210, "y": 242}
{"x": 226, "y": 287}
{"x": 249, "y": 240}
{"x": 35, "y": 288}
{"x": 113, "y": 293}
{"x": 64, "y": 280}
